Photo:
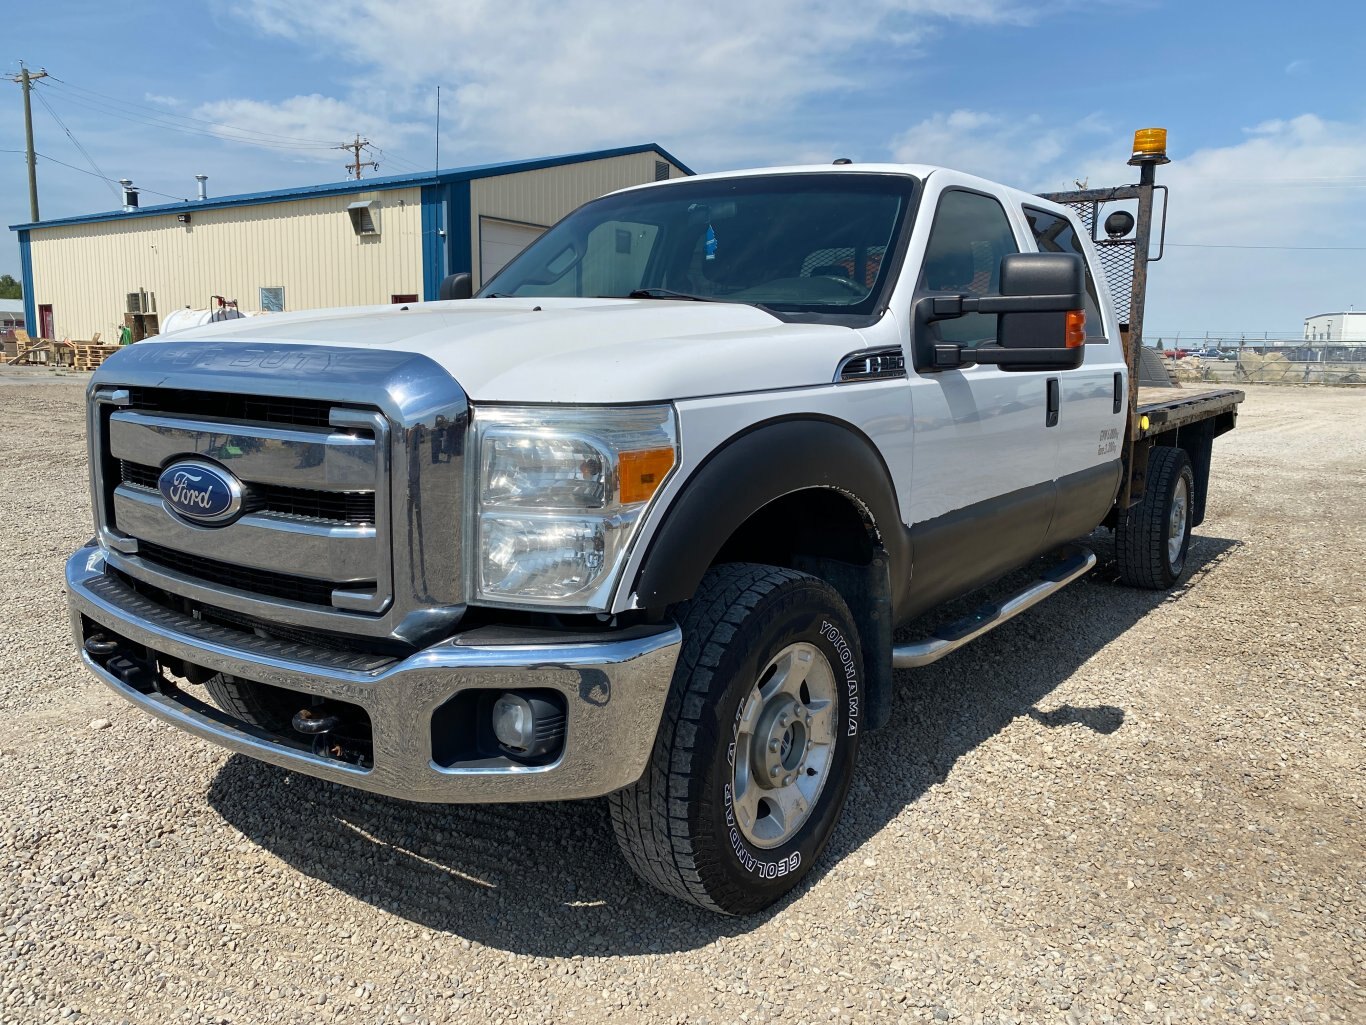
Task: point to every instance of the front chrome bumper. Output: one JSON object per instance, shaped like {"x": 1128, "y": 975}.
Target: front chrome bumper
{"x": 614, "y": 690}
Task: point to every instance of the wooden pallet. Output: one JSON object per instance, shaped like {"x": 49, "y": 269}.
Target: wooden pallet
{"x": 89, "y": 355}
{"x": 43, "y": 351}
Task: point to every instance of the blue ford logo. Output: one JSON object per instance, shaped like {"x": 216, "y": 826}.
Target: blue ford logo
{"x": 201, "y": 491}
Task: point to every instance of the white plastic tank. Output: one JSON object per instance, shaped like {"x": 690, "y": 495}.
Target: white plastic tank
{"x": 183, "y": 319}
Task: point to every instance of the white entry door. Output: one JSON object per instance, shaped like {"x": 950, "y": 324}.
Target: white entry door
{"x": 500, "y": 241}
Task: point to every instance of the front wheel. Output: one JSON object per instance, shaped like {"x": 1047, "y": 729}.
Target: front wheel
{"x": 756, "y": 750}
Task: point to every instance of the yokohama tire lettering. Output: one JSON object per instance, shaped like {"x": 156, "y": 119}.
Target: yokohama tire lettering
{"x": 850, "y": 666}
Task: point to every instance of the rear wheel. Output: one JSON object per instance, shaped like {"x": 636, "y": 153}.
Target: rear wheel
{"x": 1153, "y": 538}
{"x": 756, "y": 750}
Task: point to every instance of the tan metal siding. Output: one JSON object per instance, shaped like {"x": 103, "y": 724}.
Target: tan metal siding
{"x": 307, "y": 246}
{"x": 543, "y": 197}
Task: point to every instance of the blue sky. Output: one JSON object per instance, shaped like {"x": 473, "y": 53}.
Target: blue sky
{"x": 1266, "y": 113}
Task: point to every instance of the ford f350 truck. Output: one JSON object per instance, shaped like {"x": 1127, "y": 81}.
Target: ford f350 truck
{"x": 641, "y": 518}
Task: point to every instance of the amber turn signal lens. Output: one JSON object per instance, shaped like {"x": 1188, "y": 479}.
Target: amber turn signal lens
{"x": 641, "y": 473}
{"x": 1076, "y": 328}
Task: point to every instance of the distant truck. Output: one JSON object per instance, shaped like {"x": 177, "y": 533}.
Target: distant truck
{"x": 640, "y": 519}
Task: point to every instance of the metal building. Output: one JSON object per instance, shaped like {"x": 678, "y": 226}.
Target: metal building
{"x": 1335, "y": 327}
{"x": 351, "y": 243}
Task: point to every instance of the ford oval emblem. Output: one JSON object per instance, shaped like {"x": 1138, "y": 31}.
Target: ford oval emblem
{"x": 201, "y": 492}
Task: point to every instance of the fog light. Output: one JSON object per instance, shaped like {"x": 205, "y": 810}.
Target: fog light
{"x": 527, "y": 726}
{"x": 513, "y": 723}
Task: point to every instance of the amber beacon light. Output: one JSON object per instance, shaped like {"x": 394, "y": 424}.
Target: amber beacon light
{"x": 1150, "y": 146}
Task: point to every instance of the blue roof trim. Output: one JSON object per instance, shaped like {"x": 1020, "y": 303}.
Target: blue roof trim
{"x": 397, "y": 181}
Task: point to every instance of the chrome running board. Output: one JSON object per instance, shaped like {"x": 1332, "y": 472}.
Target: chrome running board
{"x": 1076, "y": 562}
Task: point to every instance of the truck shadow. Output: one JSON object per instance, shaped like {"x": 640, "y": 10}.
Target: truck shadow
{"x": 546, "y": 880}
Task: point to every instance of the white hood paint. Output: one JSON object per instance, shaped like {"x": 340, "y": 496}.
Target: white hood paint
{"x": 573, "y": 350}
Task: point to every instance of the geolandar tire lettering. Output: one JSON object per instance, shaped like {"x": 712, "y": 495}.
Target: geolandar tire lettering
{"x": 756, "y": 750}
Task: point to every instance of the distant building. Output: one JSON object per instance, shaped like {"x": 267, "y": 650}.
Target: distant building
{"x": 11, "y": 320}
{"x": 1335, "y": 327}
{"x": 353, "y": 243}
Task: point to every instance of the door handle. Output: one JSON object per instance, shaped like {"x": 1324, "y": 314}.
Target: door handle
{"x": 1054, "y": 402}
{"x": 1119, "y": 392}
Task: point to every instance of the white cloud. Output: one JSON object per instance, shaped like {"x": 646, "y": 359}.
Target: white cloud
{"x": 309, "y": 127}
{"x": 1025, "y": 152}
{"x": 533, "y": 76}
{"x": 1295, "y": 182}
{"x": 162, "y": 101}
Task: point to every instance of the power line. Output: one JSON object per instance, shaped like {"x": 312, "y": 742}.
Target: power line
{"x": 154, "y": 192}
{"x": 88, "y": 158}
{"x": 219, "y": 130}
{"x": 54, "y": 160}
{"x": 203, "y": 133}
{"x": 1327, "y": 249}
{"x": 161, "y": 115}
{"x": 403, "y": 163}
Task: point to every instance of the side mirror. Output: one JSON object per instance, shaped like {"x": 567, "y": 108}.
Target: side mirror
{"x": 456, "y": 286}
{"x": 1040, "y": 322}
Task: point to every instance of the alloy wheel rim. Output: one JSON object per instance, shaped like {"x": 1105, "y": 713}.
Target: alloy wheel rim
{"x": 1176, "y": 524}
{"x": 784, "y": 745}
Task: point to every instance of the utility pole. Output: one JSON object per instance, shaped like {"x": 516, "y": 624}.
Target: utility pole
{"x": 357, "y": 164}
{"x": 26, "y": 81}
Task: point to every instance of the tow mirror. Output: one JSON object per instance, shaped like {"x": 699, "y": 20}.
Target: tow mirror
{"x": 456, "y": 286}
{"x": 1040, "y": 318}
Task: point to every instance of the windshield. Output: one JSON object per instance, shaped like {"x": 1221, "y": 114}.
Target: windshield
{"x": 801, "y": 243}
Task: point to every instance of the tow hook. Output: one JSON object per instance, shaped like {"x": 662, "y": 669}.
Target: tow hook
{"x": 99, "y": 645}
{"x": 107, "y": 651}
{"x": 329, "y": 732}
{"x": 315, "y": 722}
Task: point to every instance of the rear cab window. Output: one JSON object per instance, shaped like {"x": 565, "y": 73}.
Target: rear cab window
{"x": 1054, "y": 233}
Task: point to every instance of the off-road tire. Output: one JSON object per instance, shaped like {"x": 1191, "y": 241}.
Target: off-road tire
{"x": 1143, "y": 533}
{"x": 675, "y": 826}
{"x": 256, "y": 704}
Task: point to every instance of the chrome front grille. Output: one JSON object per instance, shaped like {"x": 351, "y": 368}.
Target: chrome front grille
{"x": 295, "y": 540}
{"x": 266, "y": 409}
{"x": 352, "y": 508}
{"x": 332, "y": 506}
{"x": 255, "y": 581}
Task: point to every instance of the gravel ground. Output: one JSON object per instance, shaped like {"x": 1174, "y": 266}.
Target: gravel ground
{"x": 1121, "y": 807}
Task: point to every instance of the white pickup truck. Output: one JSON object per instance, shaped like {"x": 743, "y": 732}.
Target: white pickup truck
{"x": 641, "y": 518}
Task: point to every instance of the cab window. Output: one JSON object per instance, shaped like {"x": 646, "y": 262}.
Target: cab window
{"x": 1055, "y": 234}
{"x": 970, "y": 235}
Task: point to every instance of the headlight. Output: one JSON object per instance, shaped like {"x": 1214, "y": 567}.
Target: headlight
{"x": 561, "y": 493}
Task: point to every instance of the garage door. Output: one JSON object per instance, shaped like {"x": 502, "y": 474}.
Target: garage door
{"x": 500, "y": 241}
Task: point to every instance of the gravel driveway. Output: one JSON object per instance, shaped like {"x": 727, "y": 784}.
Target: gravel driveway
{"x": 1121, "y": 807}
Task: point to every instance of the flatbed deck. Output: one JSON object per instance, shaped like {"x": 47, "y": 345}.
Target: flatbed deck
{"x": 1169, "y": 408}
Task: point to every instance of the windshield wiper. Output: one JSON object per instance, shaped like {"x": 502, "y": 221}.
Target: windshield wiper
{"x": 667, "y": 293}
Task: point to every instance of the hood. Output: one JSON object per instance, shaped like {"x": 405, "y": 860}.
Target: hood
{"x": 573, "y": 350}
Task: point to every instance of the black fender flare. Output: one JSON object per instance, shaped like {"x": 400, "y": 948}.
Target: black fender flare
{"x": 746, "y": 473}
{"x": 751, "y": 470}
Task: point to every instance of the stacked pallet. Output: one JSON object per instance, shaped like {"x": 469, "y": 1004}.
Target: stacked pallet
{"x": 23, "y": 345}
{"x": 43, "y": 351}
{"x": 89, "y": 355}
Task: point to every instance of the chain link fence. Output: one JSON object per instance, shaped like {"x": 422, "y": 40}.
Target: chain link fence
{"x": 1270, "y": 368}
{"x": 1116, "y": 259}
